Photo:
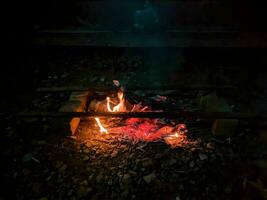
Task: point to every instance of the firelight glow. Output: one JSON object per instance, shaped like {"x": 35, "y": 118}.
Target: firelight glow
{"x": 141, "y": 129}
{"x": 118, "y": 108}
{"x": 102, "y": 129}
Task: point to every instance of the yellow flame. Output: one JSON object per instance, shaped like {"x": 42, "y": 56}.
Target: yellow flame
{"x": 102, "y": 129}
{"x": 120, "y": 107}
{"x": 108, "y": 104}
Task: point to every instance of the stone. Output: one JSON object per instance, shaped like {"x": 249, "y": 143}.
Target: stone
{"x": 83, "y": 191}
{"x": 114, "y": 154}
{"x": 212, "y": 103}
{"x": 150, "y": 177}
{"x": 85, "y": 158}
{"x": 177, "y": 198}
{"x": 262, "y": 164}
{"x": 191, "y": 164}
{"x": 147, "y": 162}
{"x": 77, "y": 103}
{"x": 27, "y": 157}
{"x": 44, "y": 198}
{"x": 125, "y": 194}
{"x": 126, "y": 179}
{"x": 133, "y": 173}
{"x": 263, "y": 136}
{"x": 210, "y": 145}
{"x": 62, "y": 168}
{"x": 172, "y": 161}
{"x": 203, "y": 156}
{"x": 26, "y": 172}
{"x": 99, "y": 178}
{"x": 86, "y": 151}
{"x": 224, "y": 127}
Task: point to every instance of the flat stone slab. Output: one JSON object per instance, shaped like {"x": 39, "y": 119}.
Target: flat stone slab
{"x": 77, "y": 103}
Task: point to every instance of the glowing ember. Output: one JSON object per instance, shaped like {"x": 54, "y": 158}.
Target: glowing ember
{"x": 102, "y": 129}
{"x": 141, "y": 129}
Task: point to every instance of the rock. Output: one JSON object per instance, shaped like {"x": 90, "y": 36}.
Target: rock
{"x": 133, "y": 173}
{"x": 76, "y": 103}
{"x": 125, "y": 194}
{"x": 26, "y": 172}
{"x": 85, "y": 183}
{"x": 224, "y": 127}
{"x": 181, "y": 187}
{"x": 44, "y": 198}
{"x": 85, "y": 158}
{"x": 203, "y": 156}
{"x": 86, "y": 151}
{"x": 27, "y": 157}
{"x": 172, "y": 161}
{"x": 158, "y": 155}
{"x": 263, "y": 136}
{"x": 99, "y": 178}
{"x": 62, "y": 168}
{"x": 147, "y": 162}
{"x": 177, "y": 198}
{"x": 126, "y": 179}
{"x": 114, "y": 154}
{"x": 210, "y": 145}
{"x": 212, "y": 103}
{"x": 150, "y": 177}
{"x": 191, "y": 164}
{"x": 83, "y": 191}
{"x": 261, "y": 164}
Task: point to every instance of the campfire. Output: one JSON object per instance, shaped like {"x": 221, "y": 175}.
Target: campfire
{"x": 136, "y": 129}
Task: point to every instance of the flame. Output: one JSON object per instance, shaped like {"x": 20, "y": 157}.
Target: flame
{"x": 108, "y": 104}
{"x": 120, "y": 107}
{"x": 142, "y": 129}
{"x": 102, "y": 129}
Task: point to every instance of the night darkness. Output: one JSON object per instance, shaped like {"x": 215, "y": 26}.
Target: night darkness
{"x": 133, "y": 99}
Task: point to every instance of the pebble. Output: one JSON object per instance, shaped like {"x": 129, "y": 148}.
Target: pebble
{"x": 177, "y": 198}
{"x": 26, "y": 172}
{"x": 191, "y": 164}
{"x": 125, "y": 193}
{"x": 210, "y": 145}
{"x": 114, "y": 154}
{"x": 203, "y": 156}
{"x": 83, "y": 191}
{"x": 126, "y": 179}
{"x": 44, "y": 198}
{"x": 27, "y": 157}
{"x": 133, "y": 173}
{"x": 62, "y": 168}
{"x": 172, "y": 161}
{"x": 147, "y": 162}
{"x": 86, "y": 151}
{"x": 150, "y": 177}
{"x": 85, "y": 158}
{"x": 99, "y": 178}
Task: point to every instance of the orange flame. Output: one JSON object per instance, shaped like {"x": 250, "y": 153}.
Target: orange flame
{"x": 120, "y": 107}
{"x": 102, "y": 129}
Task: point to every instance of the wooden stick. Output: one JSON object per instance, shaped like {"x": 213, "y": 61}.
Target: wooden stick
{"x": 104, "y": 89}
{"x": 203, "y": 115}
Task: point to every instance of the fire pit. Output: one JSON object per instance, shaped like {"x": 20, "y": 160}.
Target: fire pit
{"x": 141, "y": 145}
{"x": 134, "y": 129}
